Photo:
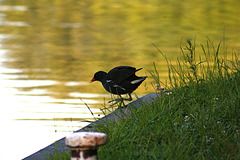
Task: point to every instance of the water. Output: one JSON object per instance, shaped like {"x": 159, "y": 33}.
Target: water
{"x": 49, "y": 51}
{"x": 32, "y": 119}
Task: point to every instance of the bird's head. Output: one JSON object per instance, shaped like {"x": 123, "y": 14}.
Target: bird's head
{"x": 99, "y": 76}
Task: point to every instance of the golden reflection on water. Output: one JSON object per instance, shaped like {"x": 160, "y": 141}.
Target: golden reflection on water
{"x": 50, "y": 50}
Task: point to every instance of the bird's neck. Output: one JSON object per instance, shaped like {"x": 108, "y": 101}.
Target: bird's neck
{"x": 104, "y": 78}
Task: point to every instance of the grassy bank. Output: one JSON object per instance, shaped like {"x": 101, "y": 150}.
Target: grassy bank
{"x": 199, "y": 120}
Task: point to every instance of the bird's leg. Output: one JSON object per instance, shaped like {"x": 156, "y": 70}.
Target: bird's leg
{"x": 126, "y": 99}
{"x": 121, "y": 102}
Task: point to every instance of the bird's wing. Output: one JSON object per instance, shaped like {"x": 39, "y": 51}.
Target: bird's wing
{"x": 118, "y": 74}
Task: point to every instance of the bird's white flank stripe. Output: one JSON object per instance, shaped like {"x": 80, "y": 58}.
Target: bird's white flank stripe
{"x": 108, "y": 81}
{"x": 136, "y": 81}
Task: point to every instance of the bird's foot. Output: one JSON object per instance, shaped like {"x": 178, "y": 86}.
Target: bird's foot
{"x": 117, "y": 100}
{"x": 120, "y": 101}
{"x": 127, "y": 99}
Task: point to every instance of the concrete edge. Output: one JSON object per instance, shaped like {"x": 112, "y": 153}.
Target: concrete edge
{"x": 114, "y": 116}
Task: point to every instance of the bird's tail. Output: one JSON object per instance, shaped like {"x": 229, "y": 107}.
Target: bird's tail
{"x": 139, "y": 69}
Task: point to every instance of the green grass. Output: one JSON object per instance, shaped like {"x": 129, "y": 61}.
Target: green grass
{"x": 192, "y": 123}
{"x": 59, "y": 156}
{"x": 199, "y": 120}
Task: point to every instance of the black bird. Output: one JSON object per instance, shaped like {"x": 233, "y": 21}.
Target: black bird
{"x": 119, "y": 80}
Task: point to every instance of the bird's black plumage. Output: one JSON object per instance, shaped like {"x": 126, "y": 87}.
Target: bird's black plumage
{"x": 119, "y": 80}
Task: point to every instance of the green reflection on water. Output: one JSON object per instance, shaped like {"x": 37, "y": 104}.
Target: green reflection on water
{"x": 71, "y": 40}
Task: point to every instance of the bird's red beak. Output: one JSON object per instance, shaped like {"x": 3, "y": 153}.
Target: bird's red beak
{"x": 92, "y": 80}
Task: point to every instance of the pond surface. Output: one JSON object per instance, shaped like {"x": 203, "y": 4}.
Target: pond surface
{"x": 50, "y": 49}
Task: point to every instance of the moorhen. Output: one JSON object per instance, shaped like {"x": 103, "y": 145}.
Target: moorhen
{"x": 119, "y": 80}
